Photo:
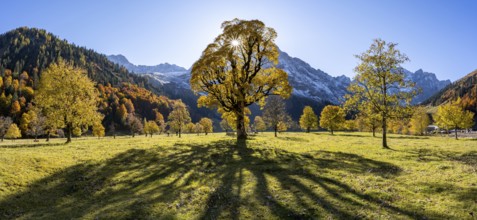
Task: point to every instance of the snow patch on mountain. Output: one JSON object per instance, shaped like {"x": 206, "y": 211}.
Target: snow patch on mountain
{"x": 313, "y": 83}
{"x": 306, "y": 81}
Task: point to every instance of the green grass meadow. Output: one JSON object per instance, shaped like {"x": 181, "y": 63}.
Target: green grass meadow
{"x": 294, "y": 176}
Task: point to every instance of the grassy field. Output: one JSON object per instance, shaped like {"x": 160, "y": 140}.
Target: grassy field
{"x": 294, "y": 176}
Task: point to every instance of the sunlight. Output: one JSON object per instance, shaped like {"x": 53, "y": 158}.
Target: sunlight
{"x": 235, "y": 43}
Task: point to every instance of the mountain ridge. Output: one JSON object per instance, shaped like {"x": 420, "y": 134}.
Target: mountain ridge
{"x": 162, "y": 67}
{"x": 307, "y": 82}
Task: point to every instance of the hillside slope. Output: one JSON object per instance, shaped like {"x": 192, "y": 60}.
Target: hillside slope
{"x": 464, "y": 88}
{"x": 26, "y": 52}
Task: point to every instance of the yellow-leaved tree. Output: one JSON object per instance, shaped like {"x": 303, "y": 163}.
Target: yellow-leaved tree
{"x": 332, "y": 117}
{"x": 207, "y": 125}
{"x": 419, "y": 121}
{"x": 151, "y": 127}
{"x": 380, "y": 84}
{"x": 259, "y": 124}
{"x": 308, "y": 120}
{"x": 179, "y": 117}
{"x": 68, "y": 98}
{"x": 239, "y": 69}
{"x": 98, "y": 130}
{"x": 13, "y": 132}
{"x": 453, "y": 116}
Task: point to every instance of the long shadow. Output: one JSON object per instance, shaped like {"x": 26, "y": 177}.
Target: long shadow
{"x": 295, "y": 139}
{"x": 352, "y": 135}
{"x": 425, "y": 155}
{"x": 32, "y": 145}
{"x": 163, "y": 182}
{"x": 409, "y": 137}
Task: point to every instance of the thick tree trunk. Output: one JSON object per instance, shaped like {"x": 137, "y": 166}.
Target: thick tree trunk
{"x": 455, "y": 131}
{"x": 146, "y": 134}
{"x": 206, "y": 133}
{"x": 276, "y": 129}
{"x": 69, "y": 131}
{"x": 48, "y": 136}
{"x": 241, "y": 133}
{"x": 308, "y": 130}
{"x": 179, "y": 133}
{"x": 374, "y": 132}
{"x": 385, "y": 143}
{"x": 331, "y": 131}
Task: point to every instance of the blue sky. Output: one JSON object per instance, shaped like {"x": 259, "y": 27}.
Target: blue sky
{"x": 438, "y": 36}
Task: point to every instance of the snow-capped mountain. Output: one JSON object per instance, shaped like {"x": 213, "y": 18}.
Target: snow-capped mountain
{"x": 161, "y": 68}
{"x": 164, "y": 73}
{"x": 313, "y": 83}
{"x": 307, "y": 82}
{"x": 427, "y": 82}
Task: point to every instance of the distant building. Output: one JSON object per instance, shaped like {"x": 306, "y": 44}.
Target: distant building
{"x": 432, "y": 128}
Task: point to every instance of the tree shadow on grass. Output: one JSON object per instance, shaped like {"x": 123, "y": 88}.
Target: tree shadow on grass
{"x": 219, "y": 180}
{"x": 426, "y": 155}
{"x": 32, "y": 145}
{"x": 352, "y": 135}
{"x": 294, "y": 139}
{"x": 408, "y": 137}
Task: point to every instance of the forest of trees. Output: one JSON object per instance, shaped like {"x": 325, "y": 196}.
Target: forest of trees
{"x": 126, "y": 103}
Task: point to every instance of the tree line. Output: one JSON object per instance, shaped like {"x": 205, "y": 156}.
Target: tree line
{"x": 235, "y": 71}
{"x": 68, "y": 103}
{"x": 239, "y": 69}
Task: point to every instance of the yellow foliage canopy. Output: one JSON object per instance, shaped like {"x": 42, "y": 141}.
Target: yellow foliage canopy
{"x": 239, "y": 69}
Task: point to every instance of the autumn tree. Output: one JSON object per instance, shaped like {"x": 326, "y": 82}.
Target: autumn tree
{"x": 239, "y": 69}
{"x": 282, "y": 126}
{"x": 452, "y": 116}
{"x": 122, "y": 113}
{"x": 259, "y": 124}
{"x": 398, "y": 125}
{"x": 224, "y": 124}
{"x": 308, "y": 120}
{"x": 274, "y": 112}
{"x": 13, "y": 132}
{"x": 332, "y": 117}
{"x": 77, "y": 132}
{"x": 189, "y": 128}
{"x": 15, "y": 109}
{"x": 198, "y": 128}
{"x": 98, "y": 130}
{"x": 366, "y": 118}
{"x": 207, "y": 125}
{"x": 37, "y": 124}
{"x": 25, "y": 121}
{"x": 179, "y": 117}
{"x": 350, "y": 125}
{"x": 68, "y": 97}
{"x": 381, "y": 83}
{"x": 150, "y": 127}
{"x": 160, "y": 122}
{"x": 5, "y": 123}
{"x": 129, "y": 105}
{"x": 419, "y": 121}
{"x": 134, "y": 124}
{"x": 369, "y": 120}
